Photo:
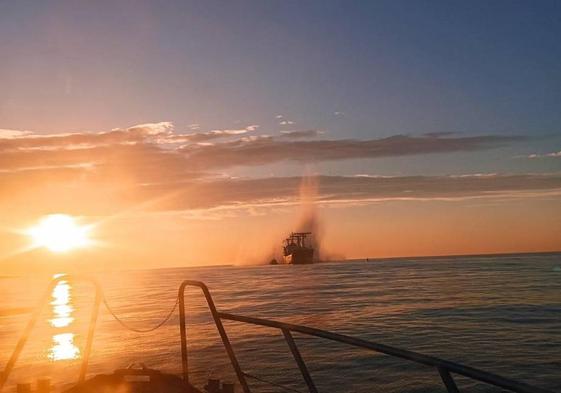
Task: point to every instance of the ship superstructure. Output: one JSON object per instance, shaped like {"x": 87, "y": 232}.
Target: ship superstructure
{"x": 297, "y": 250}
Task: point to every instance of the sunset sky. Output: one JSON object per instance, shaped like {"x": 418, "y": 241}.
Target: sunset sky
{"x": 199, "y": 132}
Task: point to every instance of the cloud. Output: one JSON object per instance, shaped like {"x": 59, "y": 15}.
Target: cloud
{"x": 200, "y": 137}
{"x": 161, "y": 133}
{"x": 300, "y": 134}
{"x": 547, "y": 155}
{"x": 439, "y": 134}
{"x": 229, "y": 147}
{"x": 107, "y": 179}
{"x": 137, "y": 134}
{"x": 164, "y": 127}
{"x": 286, "y": 123}
{"x": 106, "y": 171}
{"x": 260, "y": 151}
{"x": 348, "y": 190}
{"x": 9, "y": 134}
{"x": 193, "y": 194}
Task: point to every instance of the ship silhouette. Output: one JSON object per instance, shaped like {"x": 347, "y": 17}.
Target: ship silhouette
{"x": 297, "y": 250}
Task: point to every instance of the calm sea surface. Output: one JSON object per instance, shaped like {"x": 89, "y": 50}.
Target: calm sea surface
{"x": 501, "y": 314}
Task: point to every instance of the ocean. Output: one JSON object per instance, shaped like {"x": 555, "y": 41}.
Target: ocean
{"x": 498, "y": 313}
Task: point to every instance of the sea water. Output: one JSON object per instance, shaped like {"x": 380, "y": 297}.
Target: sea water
{"x": 500, "y": 314}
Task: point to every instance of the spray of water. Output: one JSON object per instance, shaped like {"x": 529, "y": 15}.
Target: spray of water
{"x": 309, "y": 220}
{"x": 309, "y": 215}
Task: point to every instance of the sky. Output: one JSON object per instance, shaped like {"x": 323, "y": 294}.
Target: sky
{"x": 194, "y": 132}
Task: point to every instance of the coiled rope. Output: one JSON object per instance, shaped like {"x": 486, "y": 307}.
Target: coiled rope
{"x": 137, "y": 330}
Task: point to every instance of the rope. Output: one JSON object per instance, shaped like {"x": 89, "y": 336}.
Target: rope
{"x": 148, "y": 330}
{"x": 285, "y": 388}
{"x": 167, "y": 318}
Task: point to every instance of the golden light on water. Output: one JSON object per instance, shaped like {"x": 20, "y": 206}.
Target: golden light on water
{"x": 63, "y": 347}
{"x": 61, "y": 306}
{"x": 59, "y": 233}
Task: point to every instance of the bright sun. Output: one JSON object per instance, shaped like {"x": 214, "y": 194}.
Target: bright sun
{"x": 59, "y": 233}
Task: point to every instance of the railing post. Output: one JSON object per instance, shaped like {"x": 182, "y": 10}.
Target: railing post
{"x": 298, "y": 358}
{"x": 24, "y": 337}
{"x": 183, "y": 333}
{"x": 219, "y": 327}
{"x": 448, "y": 380}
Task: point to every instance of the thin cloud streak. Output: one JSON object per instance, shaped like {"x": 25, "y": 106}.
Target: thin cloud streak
{"x": 300, "y": 134}
{"x": 262, "y": 151}
{"x": 547, "y": 155}
{"x": 353, "y": 189}
{"x": 188, "y": 193}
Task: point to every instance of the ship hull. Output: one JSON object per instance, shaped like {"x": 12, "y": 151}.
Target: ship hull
{"x": 300, "y": 257}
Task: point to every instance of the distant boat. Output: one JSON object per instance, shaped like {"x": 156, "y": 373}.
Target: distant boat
{"x": 296, "y": 250}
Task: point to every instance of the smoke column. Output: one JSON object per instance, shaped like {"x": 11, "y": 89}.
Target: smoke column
{"x": 309, "y": 216}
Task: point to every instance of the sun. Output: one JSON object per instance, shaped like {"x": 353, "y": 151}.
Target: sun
{"x": 59, "y": 233}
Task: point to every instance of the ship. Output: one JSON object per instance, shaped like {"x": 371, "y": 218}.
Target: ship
{"x": 297, "y": 250}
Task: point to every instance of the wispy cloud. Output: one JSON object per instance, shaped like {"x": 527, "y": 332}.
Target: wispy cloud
{"x": 9, "y": 134}
{"x": 164, "y": 127}
{"x": 352, "y": 189}
{"x": 546, "y": 155}
{"x": 143, "y": 133}
{"x": 301, "y": 134}
{"x": 199, "y": 137}
{"x": 230, "y": 147}
{"x": 268, "y": 150}
{"x": 161, "y": 133}
{"x": 177, "y": 191}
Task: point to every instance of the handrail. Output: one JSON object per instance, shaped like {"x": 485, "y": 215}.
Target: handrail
{"x": 33, "y": 320}
{"x": 444, "y": 367}
{"x": 219, "y": 326}
{"x": 440, "y": 364}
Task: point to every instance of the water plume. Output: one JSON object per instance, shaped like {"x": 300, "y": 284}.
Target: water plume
{"x": 309, "y": 220}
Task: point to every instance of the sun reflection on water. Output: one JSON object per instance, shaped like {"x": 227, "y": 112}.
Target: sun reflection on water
{"x": 61, "y": 305}
{"x": 63, "y": 347}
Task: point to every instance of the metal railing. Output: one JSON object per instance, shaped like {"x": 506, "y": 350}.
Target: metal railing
{"x": 444, "y": 368}
{"x": 35, "y": 316}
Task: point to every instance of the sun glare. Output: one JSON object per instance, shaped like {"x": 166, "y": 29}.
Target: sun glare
{"x": 59, "y": 233}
